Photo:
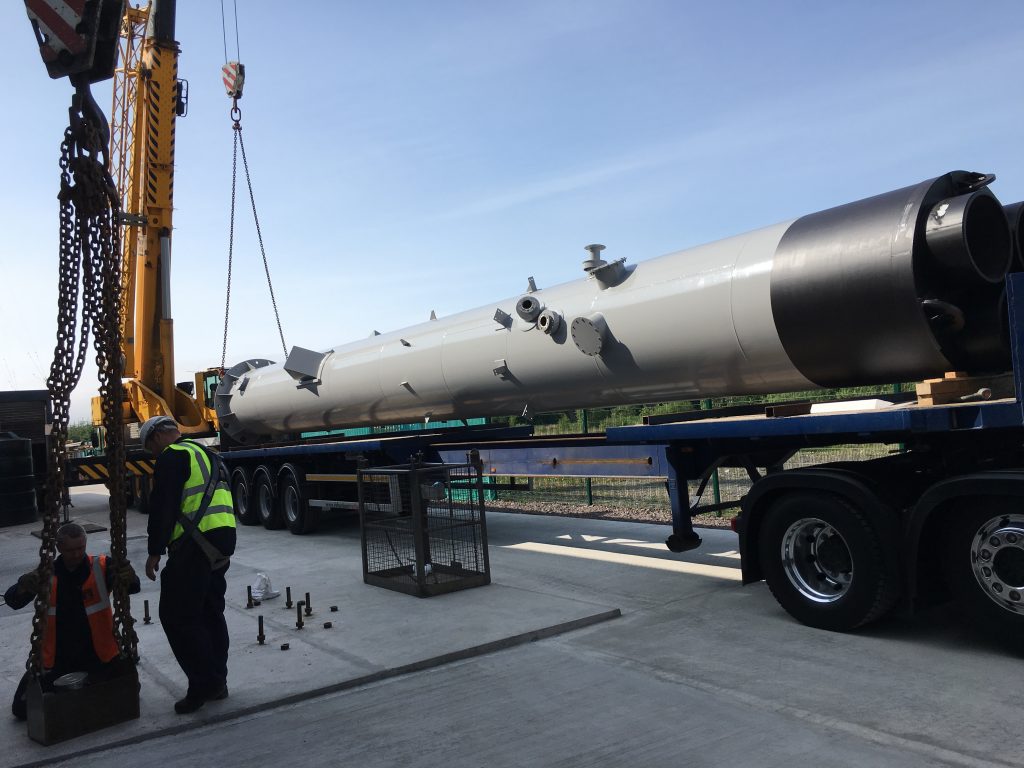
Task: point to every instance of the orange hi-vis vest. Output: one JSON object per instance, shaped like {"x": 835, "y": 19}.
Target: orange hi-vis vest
{"x": 96, "y": 599}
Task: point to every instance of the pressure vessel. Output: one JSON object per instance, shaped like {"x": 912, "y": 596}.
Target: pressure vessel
{"x": 897, "y": 287}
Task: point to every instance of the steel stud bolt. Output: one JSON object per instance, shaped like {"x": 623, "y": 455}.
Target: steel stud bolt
{"x": 298, "y": 615}
{"x": 309, "y": 607}
{"x": 145, "y": 612}
{"x": 260, "y": 637}
{"x": 248, "y": 592}
{"x": 287, "y": 597}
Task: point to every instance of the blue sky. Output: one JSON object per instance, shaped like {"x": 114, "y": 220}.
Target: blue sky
{"x": 417, "y": 156}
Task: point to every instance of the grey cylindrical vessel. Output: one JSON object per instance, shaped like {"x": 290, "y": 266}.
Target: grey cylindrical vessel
{"x": 853, "y": 295}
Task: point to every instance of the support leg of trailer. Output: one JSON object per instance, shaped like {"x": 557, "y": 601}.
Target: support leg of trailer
{"x": 683, "y": 536}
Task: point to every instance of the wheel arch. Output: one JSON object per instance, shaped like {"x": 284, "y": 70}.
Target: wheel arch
{"x": 927, "y": 514}
{"x": 853, "y": 487}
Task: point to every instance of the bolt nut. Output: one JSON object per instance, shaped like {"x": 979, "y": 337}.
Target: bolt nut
{"x": 284, "y": 646}
{"x": 334, "y": 609}
{"x": 328, "y": 624}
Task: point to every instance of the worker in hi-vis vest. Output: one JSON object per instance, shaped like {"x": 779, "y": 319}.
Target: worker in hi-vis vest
{"x": 78, "y": 635}
{"x": 192, "y": 518}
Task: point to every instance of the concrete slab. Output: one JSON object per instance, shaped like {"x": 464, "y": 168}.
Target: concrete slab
{"x": 376, "y": 632}
{"x": 697, "y": 671}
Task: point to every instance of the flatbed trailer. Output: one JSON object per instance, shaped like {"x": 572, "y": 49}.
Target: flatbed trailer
{"x": 839, "y": 544}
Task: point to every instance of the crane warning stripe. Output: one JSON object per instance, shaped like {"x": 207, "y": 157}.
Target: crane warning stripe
{"x": 58, "y": 23}
{"x": 88, "y": 472}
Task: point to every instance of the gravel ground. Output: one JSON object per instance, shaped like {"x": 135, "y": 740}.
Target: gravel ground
{"x": 657, "y": 515}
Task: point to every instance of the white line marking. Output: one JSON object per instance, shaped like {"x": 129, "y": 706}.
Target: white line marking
{"x": 654, "y": 563}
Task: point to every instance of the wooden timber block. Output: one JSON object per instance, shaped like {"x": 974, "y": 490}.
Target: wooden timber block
{"x": 953, "y": 386}
{"x": 55, "y": 716}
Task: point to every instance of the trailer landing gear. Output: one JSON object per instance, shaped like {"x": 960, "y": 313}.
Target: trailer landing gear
{"x": 683, "y": 542}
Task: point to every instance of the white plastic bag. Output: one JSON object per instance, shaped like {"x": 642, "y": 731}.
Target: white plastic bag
{"x": 261, "y": 588}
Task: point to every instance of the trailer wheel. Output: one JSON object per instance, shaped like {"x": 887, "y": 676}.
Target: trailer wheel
{"x": 298, "y": 516}
{"x": 139, "y": 486}
{"x": 241, "y": 486}
{"x": 266, "y": 504}
{"x": 984, "y": 563}
{"x": 824, "y": 562}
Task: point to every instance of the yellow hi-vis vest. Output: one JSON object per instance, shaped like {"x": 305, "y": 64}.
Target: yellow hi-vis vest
{"x": 221, "y": 512}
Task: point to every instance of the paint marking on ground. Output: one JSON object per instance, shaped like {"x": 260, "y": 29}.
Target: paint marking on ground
{"x": 731, "y": 554}
{"x": 654, "y": 563}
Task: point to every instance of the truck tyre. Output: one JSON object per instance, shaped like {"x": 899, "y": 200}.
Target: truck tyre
{"x": 17, "y": 484}
{"x": 984, "y": 564}
{"x": 18, "y": 507}
{"x": 15, "y": 465}
{"x": 824, "y": 562}
{"x": 267, "y": 508}
{"x": 142, "y": 491}
{"x": 299, "y": 518}
{"x": 241, "y": 495}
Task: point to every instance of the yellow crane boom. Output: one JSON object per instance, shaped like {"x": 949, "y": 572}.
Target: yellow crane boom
{"x": 148, "y": 98}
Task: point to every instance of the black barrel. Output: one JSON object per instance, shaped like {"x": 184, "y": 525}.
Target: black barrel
{"x": 17, "y": 481}
{"x": 1015, "y": 216}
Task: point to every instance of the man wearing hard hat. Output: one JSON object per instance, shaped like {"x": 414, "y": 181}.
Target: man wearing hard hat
{"x": 192, "y": 518}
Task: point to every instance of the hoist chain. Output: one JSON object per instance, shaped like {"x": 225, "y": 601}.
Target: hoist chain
{"x": 236, "y": 116}
{"x": 90, "y": 256}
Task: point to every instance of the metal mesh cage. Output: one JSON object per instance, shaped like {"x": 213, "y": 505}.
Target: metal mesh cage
{"x": 422, "y": 528}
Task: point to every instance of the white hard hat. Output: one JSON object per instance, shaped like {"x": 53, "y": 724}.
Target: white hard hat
{"x": 152, "y": 424}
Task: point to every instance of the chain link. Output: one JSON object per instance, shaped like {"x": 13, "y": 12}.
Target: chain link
{"x": 90, "y": 266}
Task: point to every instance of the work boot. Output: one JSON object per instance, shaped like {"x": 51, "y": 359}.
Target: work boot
{"x": 221, "y": 694}
{"x": 189, "y": 704}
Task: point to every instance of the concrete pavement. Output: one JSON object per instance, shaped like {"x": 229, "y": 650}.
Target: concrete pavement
{"x": 697, "y": 670}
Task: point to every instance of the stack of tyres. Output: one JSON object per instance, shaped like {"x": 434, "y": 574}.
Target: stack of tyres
{"x": 17, "y": 482}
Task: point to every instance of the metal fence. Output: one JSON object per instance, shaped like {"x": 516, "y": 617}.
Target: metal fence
{"x": 648, "y": 498}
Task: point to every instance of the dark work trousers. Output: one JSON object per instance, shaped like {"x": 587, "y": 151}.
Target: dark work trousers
{"x": 192, "y": 614}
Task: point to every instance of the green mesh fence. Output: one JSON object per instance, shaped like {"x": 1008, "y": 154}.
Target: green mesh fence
{"x": 648, "y": 498}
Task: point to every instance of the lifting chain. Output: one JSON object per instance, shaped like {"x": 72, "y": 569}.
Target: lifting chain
{"x": 236, "y": 117}
{"x": 90, "y": 267}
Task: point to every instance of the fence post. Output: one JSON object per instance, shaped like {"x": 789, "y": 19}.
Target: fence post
{"x": 587, "y": 485}
{"x": 896, "y": 389}
{"x": 705, "y": 405}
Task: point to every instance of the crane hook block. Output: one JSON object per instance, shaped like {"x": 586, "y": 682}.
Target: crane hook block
{"x": 77, "y": 38}
{"x": 233, "y": 76}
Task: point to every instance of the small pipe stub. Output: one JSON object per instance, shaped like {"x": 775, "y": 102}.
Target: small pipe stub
{"x": 549, "y": 322}
{"x": 595, "y": 260}
{"x": 528, "y": 308}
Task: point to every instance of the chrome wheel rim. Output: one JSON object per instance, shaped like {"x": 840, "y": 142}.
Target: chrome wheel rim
{"x": 241, "y": 499}
{"x": 291, "y": 504}
{"x": 266, "y": 502}
{"x": 997, "y": 559}
{"x": 817, "y": 560}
